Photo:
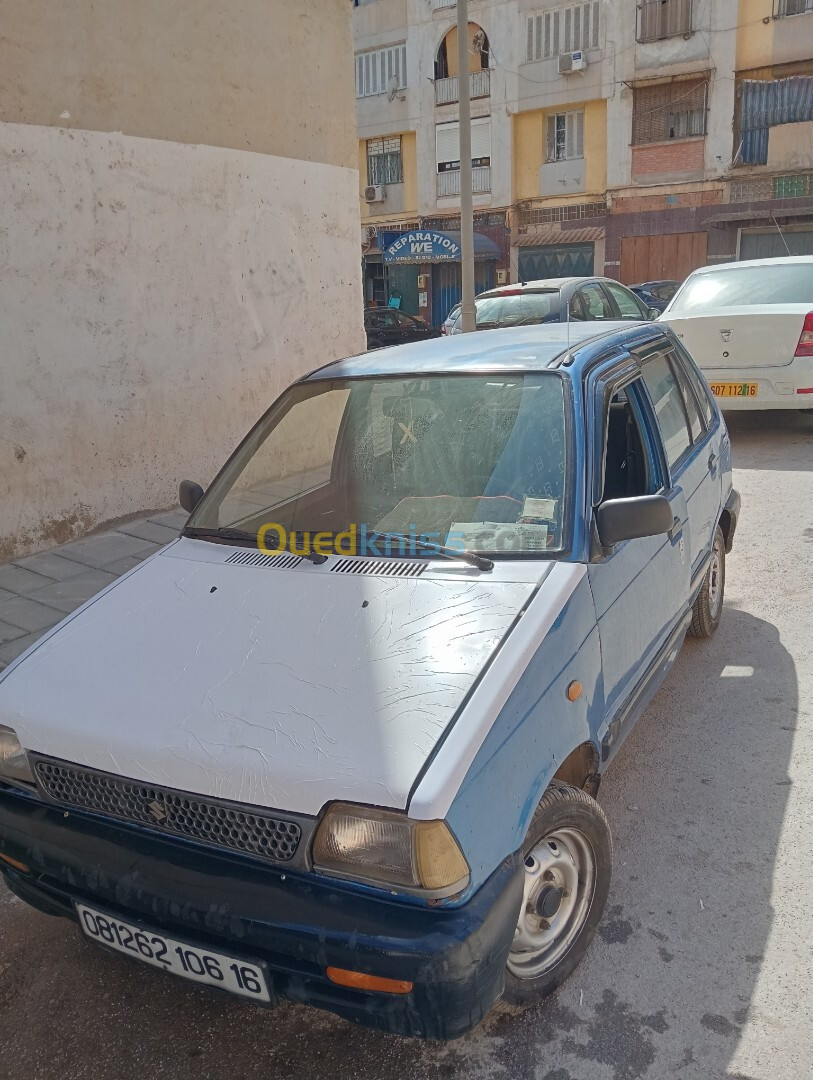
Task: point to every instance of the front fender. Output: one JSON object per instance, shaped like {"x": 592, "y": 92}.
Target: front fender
{"x": 533, "y": 734}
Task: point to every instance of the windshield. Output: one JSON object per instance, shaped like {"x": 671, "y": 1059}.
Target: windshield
{"x": 475, "y": 462}
{"x": 782, "y": 283}
{"x": 518, "y": 309}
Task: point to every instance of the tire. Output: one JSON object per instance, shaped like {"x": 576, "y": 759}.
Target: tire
{"x": 708, "y": 606}
{"x": 568, "y": 865}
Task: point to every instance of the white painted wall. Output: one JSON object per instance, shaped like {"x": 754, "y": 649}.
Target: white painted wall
{"x": 154, "y": 299}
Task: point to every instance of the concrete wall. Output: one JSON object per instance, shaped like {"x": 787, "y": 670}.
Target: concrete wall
{"x": 155, "y": 296}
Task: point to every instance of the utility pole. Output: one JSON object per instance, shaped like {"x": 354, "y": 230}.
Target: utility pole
{"x": 467, "y": 313}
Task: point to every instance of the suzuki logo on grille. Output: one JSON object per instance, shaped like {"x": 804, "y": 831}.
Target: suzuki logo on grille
{"x": 726, "y": 334}
{"x": 157, "y": 811}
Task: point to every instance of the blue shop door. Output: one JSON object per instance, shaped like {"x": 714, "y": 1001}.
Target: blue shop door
{"x": 402, "y": 283}
{"x": 447, "y": 286}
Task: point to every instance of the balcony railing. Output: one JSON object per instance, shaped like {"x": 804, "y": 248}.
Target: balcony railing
{"x": 438, "y": 4}
{"x": 449, "y": 182}
{"x": 448, "y": 90}
{"x": 760, "y": 188}
{"x": 663, "y": 19}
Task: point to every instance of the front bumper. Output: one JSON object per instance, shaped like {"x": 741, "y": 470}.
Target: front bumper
{"x": 295, "y": 922}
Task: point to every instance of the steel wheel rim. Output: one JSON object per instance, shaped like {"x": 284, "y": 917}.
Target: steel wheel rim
{"x": 715, "y": 580}
{"x": 562, "y": 861}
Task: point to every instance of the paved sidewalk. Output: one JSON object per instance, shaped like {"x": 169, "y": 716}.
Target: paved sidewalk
{"x": 36, "y": 592}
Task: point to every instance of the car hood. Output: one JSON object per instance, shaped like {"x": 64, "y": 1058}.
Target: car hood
{"x": 278, "y": 687}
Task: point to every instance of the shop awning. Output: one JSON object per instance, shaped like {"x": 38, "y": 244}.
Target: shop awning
{"x": 536, "y": 236}
{"x": 432, "y": 246}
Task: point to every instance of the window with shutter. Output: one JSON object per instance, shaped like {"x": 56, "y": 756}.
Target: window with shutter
{"x": 566, "y": 29}
{"x": 375, "y": 68}
{"x": 447, "y": 138}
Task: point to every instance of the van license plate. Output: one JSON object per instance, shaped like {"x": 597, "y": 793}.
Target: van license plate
{"x": 734, "y": 389}
{"x": 190, "y": 962}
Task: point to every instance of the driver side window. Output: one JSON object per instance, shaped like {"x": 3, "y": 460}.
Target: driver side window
{"x": 626, "y": 467}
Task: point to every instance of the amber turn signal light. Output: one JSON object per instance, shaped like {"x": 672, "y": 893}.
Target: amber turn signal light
{"x": 357, "y": 980}
{"x": 16, "y": 864}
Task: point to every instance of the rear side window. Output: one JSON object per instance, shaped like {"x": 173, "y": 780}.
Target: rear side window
{"x": 669, "y": 407}
{"x": 696, "y": 424}
{"x": 594, "y": 302}
{"x": 701, "y": 390}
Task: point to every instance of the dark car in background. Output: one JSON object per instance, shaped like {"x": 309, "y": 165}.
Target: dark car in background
{"x": 388, "y": 326}
{"x": 656, "y": 294}
{"x": 555, "y": 300}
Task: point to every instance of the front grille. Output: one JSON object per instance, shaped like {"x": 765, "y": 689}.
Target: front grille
{"x": 226, "y": 825}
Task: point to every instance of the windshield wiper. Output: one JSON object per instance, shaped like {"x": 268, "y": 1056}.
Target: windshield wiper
{"x": 240, "y": 536}
{"x": 480, "y": 561}
{"x": 220, "y": 534}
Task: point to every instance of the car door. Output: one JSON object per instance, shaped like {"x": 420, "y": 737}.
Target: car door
{"x": 692, "y": 458}
{"x": 640, "y": 587}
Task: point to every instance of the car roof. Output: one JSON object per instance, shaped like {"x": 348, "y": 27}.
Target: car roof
{"x": 520, "y": 348}
{"x": 649, "y": 284}
{"x": 784, "y": 260}
{"x": 540, "y": 283}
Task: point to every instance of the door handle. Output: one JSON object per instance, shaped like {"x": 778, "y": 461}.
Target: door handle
{"x": 677, "y": 526}
{"x": 712, "y": 461}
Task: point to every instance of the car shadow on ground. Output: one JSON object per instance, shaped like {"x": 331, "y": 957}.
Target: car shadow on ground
{"x": 771, "y": 440}
{"x": 696, "y": 800}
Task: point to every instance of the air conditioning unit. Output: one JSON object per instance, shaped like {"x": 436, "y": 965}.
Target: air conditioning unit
{"x": 374, "y": 193}
{"x": 573, "y": 61}
{"x": 502, "y": 277}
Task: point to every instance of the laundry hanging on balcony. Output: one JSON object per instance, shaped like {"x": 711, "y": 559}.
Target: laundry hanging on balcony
{"x": 765, "y": 104}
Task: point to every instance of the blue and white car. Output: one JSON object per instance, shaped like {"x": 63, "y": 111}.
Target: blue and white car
{"x": 341, "y": 741}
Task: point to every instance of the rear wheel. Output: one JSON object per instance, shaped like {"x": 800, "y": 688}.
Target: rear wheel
{"x": 708, "y": 607}
{"x": 568, "y": 864}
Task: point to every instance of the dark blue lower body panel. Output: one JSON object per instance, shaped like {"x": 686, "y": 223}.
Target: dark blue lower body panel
{"x": 297, "y": 924}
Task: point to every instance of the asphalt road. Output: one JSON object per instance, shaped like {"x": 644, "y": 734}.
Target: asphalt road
{"x": 702, "y": 967}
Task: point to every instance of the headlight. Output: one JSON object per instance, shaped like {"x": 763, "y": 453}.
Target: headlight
{"x": 13, "y": 760}
{"x": 388, "y": 848}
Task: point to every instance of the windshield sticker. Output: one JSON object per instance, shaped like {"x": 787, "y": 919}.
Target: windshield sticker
{"x": 535, "y": 510}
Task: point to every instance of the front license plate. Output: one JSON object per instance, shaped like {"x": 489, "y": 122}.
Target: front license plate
{"x": 734, "y": 389}
{"x": 190, "y": 962}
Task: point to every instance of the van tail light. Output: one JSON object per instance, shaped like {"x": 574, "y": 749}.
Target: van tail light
{"x": 805, "y": 346}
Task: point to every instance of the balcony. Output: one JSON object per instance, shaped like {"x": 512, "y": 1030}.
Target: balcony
{"x": 447, "y": 91}
{"x": 772, "y": 188}
{"x": 449, "y": 182}
{"x": 438, "y": 5}
{"x": 658, "y": 19}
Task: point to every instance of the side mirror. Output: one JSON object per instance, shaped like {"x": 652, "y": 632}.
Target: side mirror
{"x": 653, "y": 314}
{"x": 629, "y": 519}
{"x": 189, "y": 495}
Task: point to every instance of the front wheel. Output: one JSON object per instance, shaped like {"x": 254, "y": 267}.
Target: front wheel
{"x": 568, "y": 865}
{"x": 708, "y": 607}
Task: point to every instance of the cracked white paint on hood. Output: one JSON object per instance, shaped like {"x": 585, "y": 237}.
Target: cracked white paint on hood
{"x": 281, "y": 688}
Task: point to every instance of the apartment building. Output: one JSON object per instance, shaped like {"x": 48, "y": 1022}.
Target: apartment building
{"x": 638, "y": 140}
